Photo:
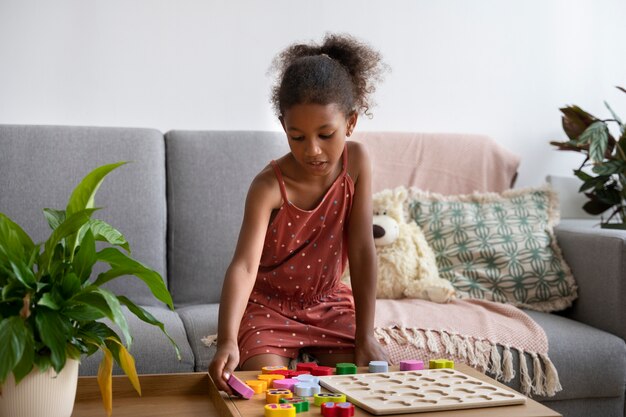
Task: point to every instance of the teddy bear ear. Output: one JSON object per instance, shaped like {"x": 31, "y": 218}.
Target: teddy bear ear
{"x": 400, "y": 194}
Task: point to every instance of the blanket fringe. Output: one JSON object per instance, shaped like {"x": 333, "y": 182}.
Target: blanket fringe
{"x": 431, "y": 342}
{"x": 481, "y": 354}
{"x": 508, "y": 373}
{"x": 552, "y": 383}
{"x": 525, "y": 381}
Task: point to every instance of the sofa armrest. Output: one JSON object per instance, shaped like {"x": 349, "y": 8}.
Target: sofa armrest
{"x": 597, "y": 258}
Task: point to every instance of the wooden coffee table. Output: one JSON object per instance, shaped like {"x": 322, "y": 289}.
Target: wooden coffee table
{"x": 195, "y": 395}
{"x": 180, "y": 395}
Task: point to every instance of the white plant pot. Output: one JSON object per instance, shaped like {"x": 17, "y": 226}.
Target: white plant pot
{"x": 41, "y": 394}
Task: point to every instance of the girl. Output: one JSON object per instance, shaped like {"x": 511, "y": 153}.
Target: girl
{"x": 305, "y": 215}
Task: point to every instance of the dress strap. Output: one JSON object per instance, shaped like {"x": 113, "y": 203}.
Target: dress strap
{"x": 281, "y": 181}
{"x": 345, "y": 159}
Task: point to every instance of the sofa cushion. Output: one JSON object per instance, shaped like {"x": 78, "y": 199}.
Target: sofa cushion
{"x": 499, "y": 247}
{"x": 41, "y": 165}
{"x": 591, "y": 363}
{"x": 200, "y": 321}
{"x": 152, "y": 350}
{"x": 208, "y": 176}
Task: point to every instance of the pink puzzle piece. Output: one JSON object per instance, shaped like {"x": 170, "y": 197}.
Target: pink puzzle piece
{"x": 411, "y": 365}
{"x": 240, "y": 387}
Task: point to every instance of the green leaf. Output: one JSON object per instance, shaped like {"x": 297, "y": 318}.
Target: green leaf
{"x": 83, "y": 312}
{"x": 83, "y": 195}
{"x": 13, "y": 340}
{"x": 11, "y": 248}
{"x": 71, "y": 225}
{"x": 144, "y": 315}
{"x": 118, "y": 315}
{"x": 48, "y": 301}
{"x": 85, "y": 257}
{"x": 70, "y": 285}
{"x": 23, "y": 274}
{"x": 596, "y": 207}
{"x": 95, "y": 334}
{"x": 122, "y": 264}
{"x": 609, "y": 167}
{"x": 23, "y": 237}
{"x": 597, "y": 135}
{"x": 594, "y": 182}
{"x": 54, "y": 217}
{"x": 92, "y": 297}
{"x": 42, "y": 362}
{"x": 26, "y": 363}
{"x": 54, "y": 332}
{"x": 609, "y": 195}
{"x": 582, "y": 175}
{"x": 107, "y": 233}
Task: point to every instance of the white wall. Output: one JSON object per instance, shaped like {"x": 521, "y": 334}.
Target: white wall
{"x": 497, "y": 67}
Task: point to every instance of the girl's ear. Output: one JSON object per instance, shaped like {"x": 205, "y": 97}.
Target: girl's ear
{"x": 282, "y": 122}
{"x": 351, "y": 122}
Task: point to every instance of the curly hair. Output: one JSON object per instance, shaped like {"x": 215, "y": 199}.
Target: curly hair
{"x": 342, "y": 70}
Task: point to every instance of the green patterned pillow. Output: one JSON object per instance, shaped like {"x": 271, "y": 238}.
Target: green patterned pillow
{"x": 499, "y": 247}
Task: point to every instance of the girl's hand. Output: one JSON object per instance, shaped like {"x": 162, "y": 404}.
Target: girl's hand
{"x": 368, "y": 349}
{"x": 223, "y": 365}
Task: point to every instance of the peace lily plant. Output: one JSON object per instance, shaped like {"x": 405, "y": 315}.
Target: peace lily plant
{"x": 605, "y": 157}
{"x": 50, "y": 309}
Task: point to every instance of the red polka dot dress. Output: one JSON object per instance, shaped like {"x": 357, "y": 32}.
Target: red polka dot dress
{"x": 298, "y": 300}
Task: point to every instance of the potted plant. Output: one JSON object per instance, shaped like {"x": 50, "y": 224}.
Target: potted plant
{"x": 605, "y": 185}
{"x": 51, "y": 308}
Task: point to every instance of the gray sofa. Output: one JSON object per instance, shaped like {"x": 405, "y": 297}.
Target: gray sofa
{"x": 180, "y": 206}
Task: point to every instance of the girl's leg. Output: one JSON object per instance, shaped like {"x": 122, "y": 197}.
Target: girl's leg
{"x": 255, "y": 363}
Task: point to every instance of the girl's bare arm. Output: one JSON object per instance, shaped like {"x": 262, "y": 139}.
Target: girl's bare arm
{"x": 362, "y": 258}
{"x": 241, "y": 274}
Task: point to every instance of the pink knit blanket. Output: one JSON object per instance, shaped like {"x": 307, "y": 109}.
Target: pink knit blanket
{"x": 469, "y": 331}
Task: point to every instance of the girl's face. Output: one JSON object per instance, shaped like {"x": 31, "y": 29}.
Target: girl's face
{"x": 316, "y": 134}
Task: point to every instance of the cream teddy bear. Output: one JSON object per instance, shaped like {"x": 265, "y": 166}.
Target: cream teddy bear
{"x": 406, "y": 263}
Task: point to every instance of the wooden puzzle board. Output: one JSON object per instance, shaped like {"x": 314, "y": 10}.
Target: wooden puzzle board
{"x": 419, "y": 391}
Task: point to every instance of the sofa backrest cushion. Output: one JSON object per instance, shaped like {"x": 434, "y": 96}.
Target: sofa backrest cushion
{"x": 41, "y": 165}
{"x": 208, "y": 176}
{"x": 444, "y": 163}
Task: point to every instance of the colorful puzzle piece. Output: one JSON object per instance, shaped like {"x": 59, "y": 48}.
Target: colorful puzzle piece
{"x": 440, "y": 364}
{"x": 378, "y": 366}
{"x": 308, "y": 378}
{"x": 240, "y": 387}
{"x": 280, "y": 410}
{"x": 285, "y": 383}
{"x": 273, "y": 396}
{"x": 345, "y": 368}
{"x": 289, "y": 373}
{"x": 301, "y": 404}
{"x": 306, "y": 389}
{"x": 269, "y": 378}
{"x": 411, "y": 365}
{"x": 326, "y": 397}
{"x": 306, "y": 366}
{"x": 257, "y": 385}
{"x": 322, "y": 370}
{"x": 269, "y": 369}
{"x": 344, "y": 409}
